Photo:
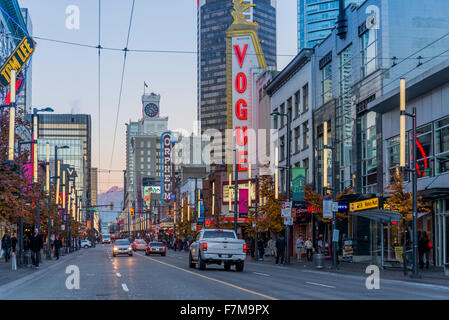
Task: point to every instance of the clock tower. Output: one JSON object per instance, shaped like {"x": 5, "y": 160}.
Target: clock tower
{"x": 150, "y": 106}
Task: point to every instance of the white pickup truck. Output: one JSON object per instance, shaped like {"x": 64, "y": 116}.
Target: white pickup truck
{"x": 217, "y": 246}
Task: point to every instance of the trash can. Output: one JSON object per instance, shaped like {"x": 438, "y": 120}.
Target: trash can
{"x": 318, "y": 260}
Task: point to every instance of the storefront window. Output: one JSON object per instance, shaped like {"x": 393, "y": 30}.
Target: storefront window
{"x": 442, "y": 145}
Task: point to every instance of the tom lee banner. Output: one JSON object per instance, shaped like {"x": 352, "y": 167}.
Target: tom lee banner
{"x": 17, "y": 60}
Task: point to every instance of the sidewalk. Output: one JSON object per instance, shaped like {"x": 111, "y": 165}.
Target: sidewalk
{"x": 434, "y": 275}
{"x": 7, "y": 274}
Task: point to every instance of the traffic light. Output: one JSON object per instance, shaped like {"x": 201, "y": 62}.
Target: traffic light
{"x": 111, "y": 206}
{"x": 131, "y": 212}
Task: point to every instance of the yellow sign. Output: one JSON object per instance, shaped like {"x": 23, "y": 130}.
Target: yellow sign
{"x": 241, "y": 186}
{"x": 363, "y": 205}
{"x": 388, "y": 207}
{"x": 17, "y": 60}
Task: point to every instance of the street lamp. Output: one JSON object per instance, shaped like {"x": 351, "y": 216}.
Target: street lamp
{"x": 34, "y": 151}
{"x": 412, "y": 169}
{"x": 287, "y": 228}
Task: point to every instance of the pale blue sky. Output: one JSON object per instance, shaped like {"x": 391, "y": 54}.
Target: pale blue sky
{"x": 65, "y": 77}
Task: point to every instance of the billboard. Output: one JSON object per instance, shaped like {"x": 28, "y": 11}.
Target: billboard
{"x": 148, "y": 190}
{"x": 166, "y": 169}
{"x": 17, "y": 60}
{"x": 298, "y": 181}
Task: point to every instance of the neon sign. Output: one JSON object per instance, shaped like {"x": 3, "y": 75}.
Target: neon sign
{"x": 166, "y": 169}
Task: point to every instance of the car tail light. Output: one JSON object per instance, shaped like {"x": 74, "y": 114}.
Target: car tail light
{"x": 163, "y": 248}
{"x": 204, "y": 246}
{"x": 245, "y": 247}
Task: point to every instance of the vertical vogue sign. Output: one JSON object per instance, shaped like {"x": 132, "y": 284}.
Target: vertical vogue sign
{"x": 166, "y": 169}
{"x": 244, "y": 58}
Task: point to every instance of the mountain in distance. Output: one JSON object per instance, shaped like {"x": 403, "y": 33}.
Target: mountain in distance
{"x": 114, "y": 195}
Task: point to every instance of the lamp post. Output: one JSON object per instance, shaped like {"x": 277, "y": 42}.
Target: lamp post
{"x": 34, "y": 151}
{"x": 20, "y": 195}
{"x": 412, "y": 169}
{"x": 287, "y": 227}
{"x": 325, "y": 185}
{"x": 57, "y": 169}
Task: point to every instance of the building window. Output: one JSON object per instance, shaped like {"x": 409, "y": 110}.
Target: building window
{"x": 424, "y": 151}
{"x": 326, "y": 83}
{"x": 297, "y": 139}
{"x": 297, "y": 105}
{"x": 305, "y": 98}
{"x": 282, "y": 149}
{"x": 305, "y": 135}
{"x": 442, "y": 145}
{"x": 369, "y": 148}
{"x": 289, "y": 107}
{"x": 368, "y": 51}
{"x": 282, "y": 117}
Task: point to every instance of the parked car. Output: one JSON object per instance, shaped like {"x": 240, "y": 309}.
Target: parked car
{"x": 218, "y": 246}
{"x": 122, "y": 246}
{"x": 86, "y": 243}
{"x": 139, "y": 244}
{"x": 156, "y": 248}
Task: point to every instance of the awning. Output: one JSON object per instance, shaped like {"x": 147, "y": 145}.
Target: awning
{"x": 378, "y": 215}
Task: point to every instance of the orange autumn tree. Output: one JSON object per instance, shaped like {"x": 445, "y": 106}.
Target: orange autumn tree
{"x": 401, "y": 201}
{"x": 315, "y": 200}
{"x": 269, "y": 213}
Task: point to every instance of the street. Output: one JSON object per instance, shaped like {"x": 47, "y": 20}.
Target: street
{"x": 169, "y": 278}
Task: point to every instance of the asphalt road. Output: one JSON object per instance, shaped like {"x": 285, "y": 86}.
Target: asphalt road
{"x": 140, "y": 277}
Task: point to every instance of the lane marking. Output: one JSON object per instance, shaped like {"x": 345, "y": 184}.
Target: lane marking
{"x": 262, "y": 274}
{"x": 125, "y": 288}
{"x": 118, "y": 275}
{"x": 319, "y": 284}
{"x": 210, "y": 278}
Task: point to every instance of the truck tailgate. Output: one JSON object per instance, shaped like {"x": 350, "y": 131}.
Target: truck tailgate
{"x": 225, "y": 246}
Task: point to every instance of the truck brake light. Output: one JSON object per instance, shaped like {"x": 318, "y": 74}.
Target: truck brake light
{"x": 204, "y": 246}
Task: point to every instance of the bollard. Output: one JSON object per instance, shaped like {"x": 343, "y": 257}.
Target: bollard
{"x": 13, "y": 261}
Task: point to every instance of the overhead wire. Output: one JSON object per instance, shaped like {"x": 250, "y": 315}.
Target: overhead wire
{"x": 121, "y": 82}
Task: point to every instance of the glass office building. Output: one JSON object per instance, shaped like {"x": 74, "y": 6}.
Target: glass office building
{"x": 73, "y": 130}
{"x": 214, "y": 18}
{"x": 316, "y": 18}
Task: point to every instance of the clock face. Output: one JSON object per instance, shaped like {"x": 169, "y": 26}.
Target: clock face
{"x": 151, "y": 110}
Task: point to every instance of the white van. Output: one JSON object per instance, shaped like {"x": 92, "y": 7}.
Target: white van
{"x": 106, "y": 238}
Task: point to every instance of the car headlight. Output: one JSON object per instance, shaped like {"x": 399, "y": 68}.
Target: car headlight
{"x": 130, "y": 248}
{"x": 115, "y": 248}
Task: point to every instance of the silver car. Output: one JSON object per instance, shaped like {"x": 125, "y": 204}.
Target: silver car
{"x": 122, "y": 246}
{"x": 139, "y": 244}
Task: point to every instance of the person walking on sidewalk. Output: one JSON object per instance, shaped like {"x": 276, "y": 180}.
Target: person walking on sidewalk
{"x": 309, "y": 249}
{"x": 13, "y": 243}
{"x": 36, "y": 245}
{"x": 280, "y": 248}
{"x": 423, "y": 249}
{"x": 299, "y": 246}
{"x": 260, "y": 247}
{"x": 58, "y": 245}
{"x": 6, "y": 245}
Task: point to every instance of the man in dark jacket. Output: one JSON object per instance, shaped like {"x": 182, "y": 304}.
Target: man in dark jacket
{"x": 6, "y": 245}
{"x": 58, "y": 245}
{"x": 36, "y": 245}
{"x": 280, "y": 248}
{"x": 13, "y": 243}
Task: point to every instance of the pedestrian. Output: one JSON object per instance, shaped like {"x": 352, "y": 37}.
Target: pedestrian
{"x": 280, "y": 248}
{"x": 58, "y": 245}
{"x": 36, "y": 246}
{"x": 260, "y": 247}
{"x": 309, "y": 249}
{"x": 6, "y": 245}
{"x": 299, "y": 248}
{"x": 13, "y": 243}
{"x": 423, "y": 250}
